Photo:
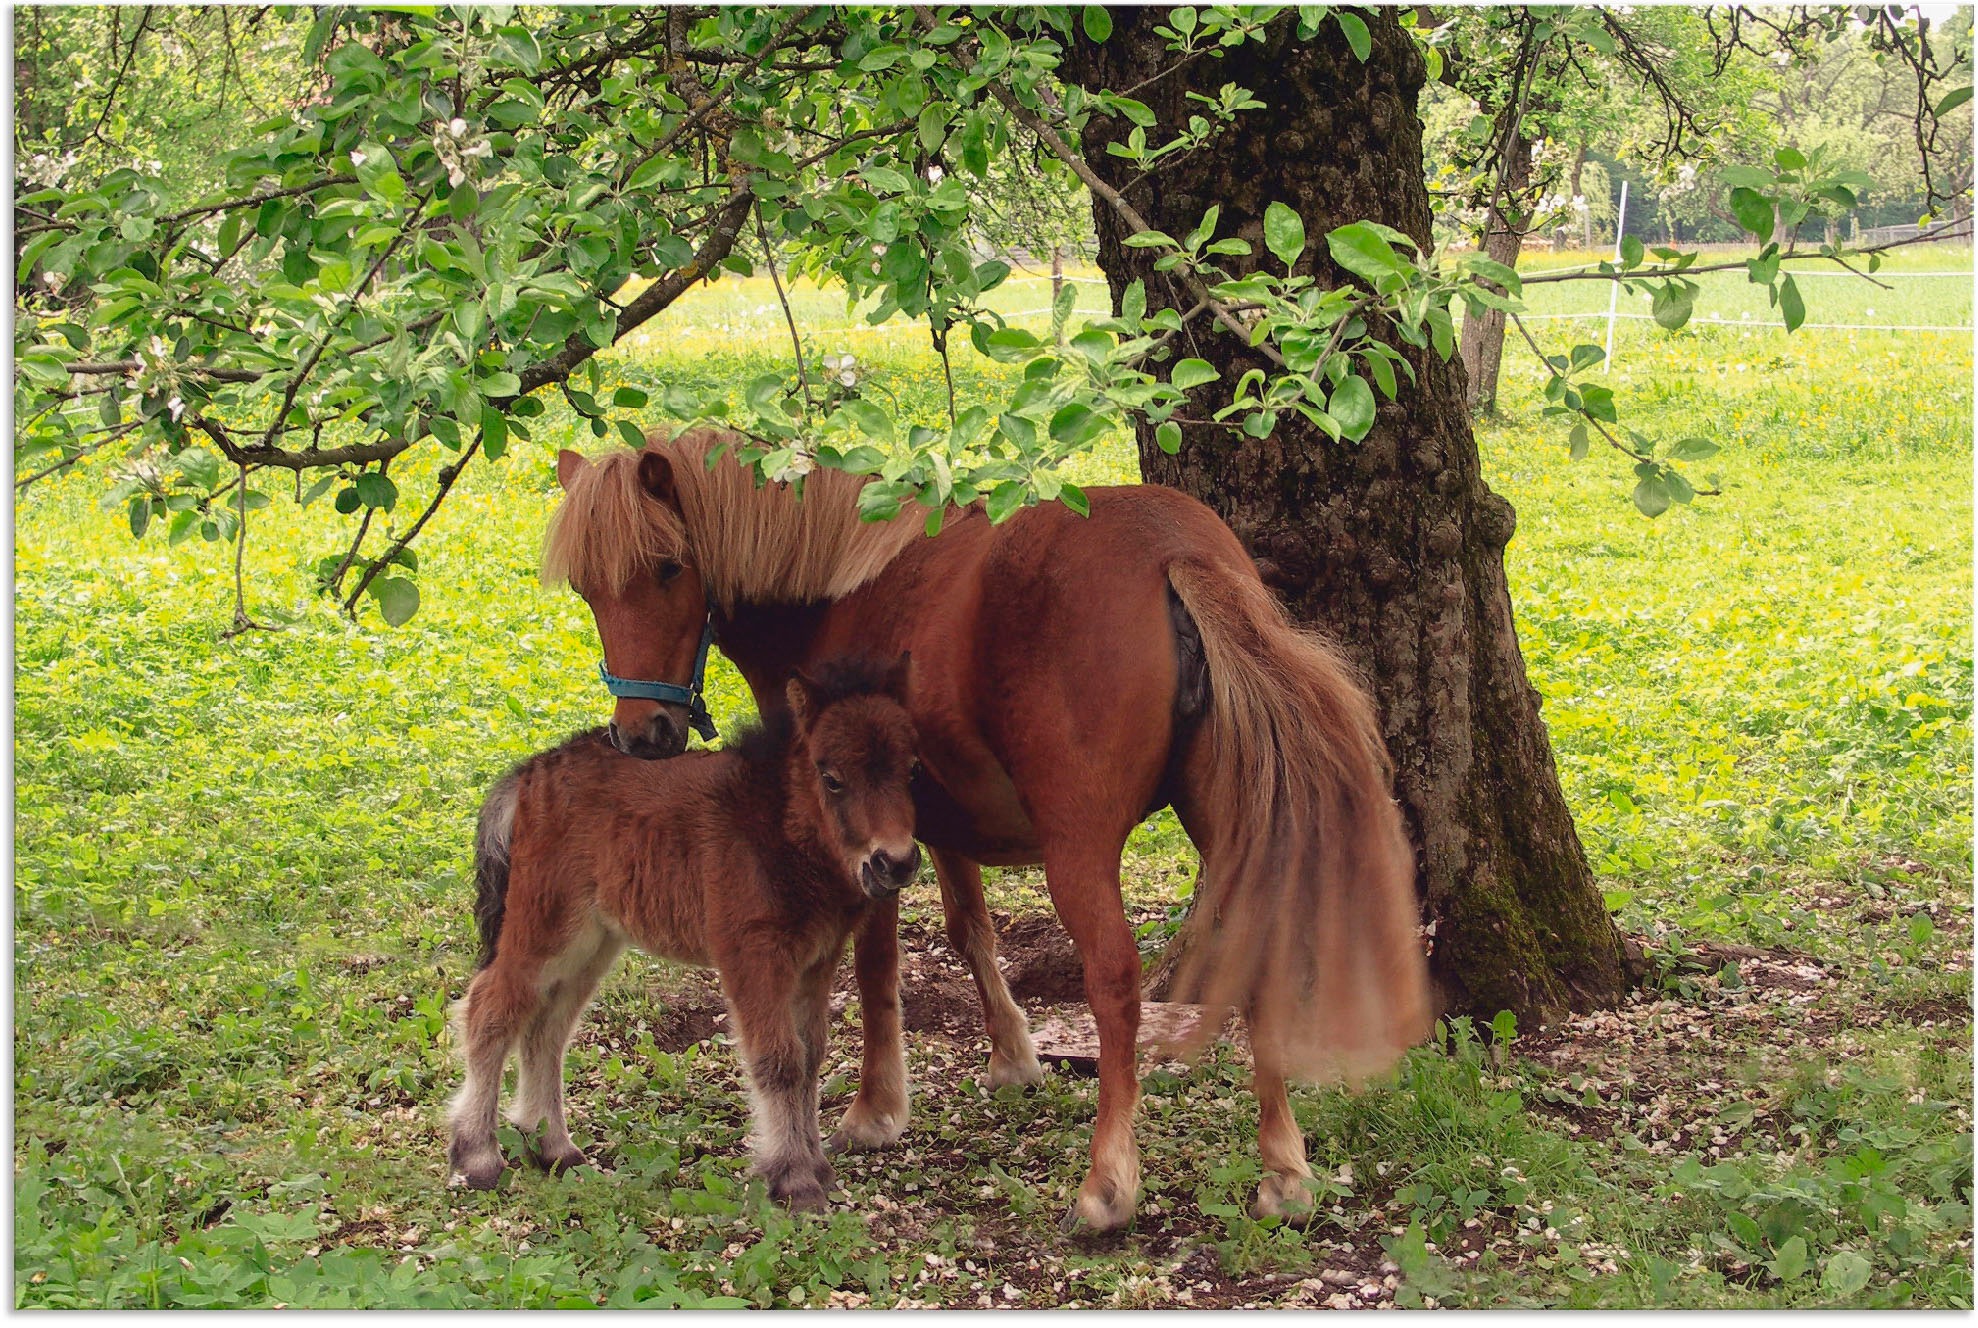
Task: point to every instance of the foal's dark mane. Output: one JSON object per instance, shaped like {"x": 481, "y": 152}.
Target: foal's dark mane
{"x": 763, "y": 744}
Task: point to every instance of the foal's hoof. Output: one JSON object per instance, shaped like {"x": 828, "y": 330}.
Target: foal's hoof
{"x": 477, "y": 1170}
{"x": 800, "y": 1196}
{"x": 557, "y": 1164}
{"x": 827, "y": 1179}
{"x": 1284, "y": 1196}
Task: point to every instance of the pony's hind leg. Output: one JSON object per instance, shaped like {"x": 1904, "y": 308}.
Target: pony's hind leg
{"x": 878, "y": 1114}
{"x": 568, "y": 983}
{"x": 1286, "y": 1189}
{"x": 499, "y": 1004}
{"x": 1012, "y": 1056}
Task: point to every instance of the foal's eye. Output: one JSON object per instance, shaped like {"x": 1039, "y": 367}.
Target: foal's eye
{"x": 913, "y": 769}
{"x": 832, "y": 784}
{"x": 668, "y": 570}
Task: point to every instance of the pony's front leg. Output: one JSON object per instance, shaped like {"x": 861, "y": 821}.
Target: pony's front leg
{"x": 878, "y": 1114}
{"x": 1085, "y": 890}
{"x": 761, "y": 990}
{"x": 1012, "y": 1055}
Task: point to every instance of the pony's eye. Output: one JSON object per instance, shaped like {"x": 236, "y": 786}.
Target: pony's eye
{"x": 668, "y": 570}
{"x": 832, "y": 784}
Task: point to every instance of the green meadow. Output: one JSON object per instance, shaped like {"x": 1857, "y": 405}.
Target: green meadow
{"x": 243, "y": 901}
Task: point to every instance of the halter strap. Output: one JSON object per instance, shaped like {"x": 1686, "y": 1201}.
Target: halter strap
{"x": 673, "y": 693}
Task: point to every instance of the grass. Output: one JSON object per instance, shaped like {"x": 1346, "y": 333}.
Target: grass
{"x": 242, "y": 902}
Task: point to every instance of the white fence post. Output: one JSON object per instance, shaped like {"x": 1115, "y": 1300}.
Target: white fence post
{"x": 1614, "y": 290}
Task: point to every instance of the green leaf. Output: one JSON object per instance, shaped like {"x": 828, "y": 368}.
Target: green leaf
{"x": 1651, "y": 495}
{"x": 1579, "y": 441}
{"x": 1352, "y": 406}
{"x": 398, "y": 599}
{"x": 1953, "y": 99}
{"x": 1790, "y": 1262}
{"x": 1790, "y": 159}
{"x": 1364, "y": 251}
{"x": 200, "y": 467}
{"x": 1284, "y": 233}
{"x": 1693, "y": 449}
{"x": 1356, "y": 32}
{"x": 1074, "y": 497}
{"x": 1168, "y": 437}
{"x": 140, "y": 515}
{"x": 1097, "y": 22}
{"x": 1672, "y": 305}
{"x": 1791, "y": 306}
{"x": 628, "y": 398}
{"x": 1753, "y": 211}
{"x": 1846, "y": 1272}
{"x": 1193, "y": 373}
{"x": 494, "y": 432}
{"x": 1631, "y": 251}
{"x": 1076, "y": 424}
{"x": 375, "y": 490}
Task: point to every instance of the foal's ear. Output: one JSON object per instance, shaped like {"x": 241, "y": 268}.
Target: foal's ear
{"x": 656, "y": 476}
{"x": 569, "y": 465}
{"x": 898, "y": 674}
{"x": 801, "y": 692}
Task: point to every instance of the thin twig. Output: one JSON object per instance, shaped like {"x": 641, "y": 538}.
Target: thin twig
{"x": 20, "y": 486}
{"x": 796, "y": 342}
{"x": 242, "y": 623}
{"x": 448, "y": 475}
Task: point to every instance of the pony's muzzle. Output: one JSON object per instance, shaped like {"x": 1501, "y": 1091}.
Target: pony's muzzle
{"x": 885, "y": 874}
{"x": 659, "y": 737}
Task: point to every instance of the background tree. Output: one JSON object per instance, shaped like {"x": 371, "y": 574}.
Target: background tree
{"x": 458, "y": 210}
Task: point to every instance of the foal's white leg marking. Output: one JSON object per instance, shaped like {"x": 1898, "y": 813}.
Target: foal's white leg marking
{"x": 539, "y": 1086}
{"x": 474, "y": 1151}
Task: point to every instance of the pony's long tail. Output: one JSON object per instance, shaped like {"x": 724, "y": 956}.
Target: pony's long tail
{"x": 1306, "y": 918}
{"x": 491, "y": 842}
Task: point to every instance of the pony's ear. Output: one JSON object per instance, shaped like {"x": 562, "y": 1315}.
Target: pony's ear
{"x": 656, "y": 476}
{"x": 801, "y": 693}
{"x": 569, "y": 465}
{"x": 898, "y": 675}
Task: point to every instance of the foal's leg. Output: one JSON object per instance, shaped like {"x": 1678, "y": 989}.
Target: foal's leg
{"x": 811, "y": 1011}
{"x": 499, "y": 1003}
{"x": 569, "y": 982}
{"x": 761, "y": 986}
{"x": 1012, "y": 1057}
{"x": 878, "y": 1114}
{"x": 1085, "y": 889}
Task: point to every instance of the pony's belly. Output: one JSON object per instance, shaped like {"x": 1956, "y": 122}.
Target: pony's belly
{"x": 986, "y": 824}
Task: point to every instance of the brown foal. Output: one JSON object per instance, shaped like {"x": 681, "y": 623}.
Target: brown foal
{"x": 758, "y": 861}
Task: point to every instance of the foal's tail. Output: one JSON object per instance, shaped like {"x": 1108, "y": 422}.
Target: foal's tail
{"x": 1306, "y": 917}
{"x": 491, "y": 841}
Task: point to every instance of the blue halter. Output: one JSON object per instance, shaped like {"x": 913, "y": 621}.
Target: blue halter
{"x": 670, "y": 693}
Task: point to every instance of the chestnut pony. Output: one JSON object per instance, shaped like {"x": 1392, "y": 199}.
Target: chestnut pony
{"x": 1071, "y": 675}
{"x": 759, "y": 861}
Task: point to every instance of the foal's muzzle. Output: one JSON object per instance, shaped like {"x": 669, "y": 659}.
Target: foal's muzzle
{"x": 884, "y": 875}
{"x": 660, "y": 737}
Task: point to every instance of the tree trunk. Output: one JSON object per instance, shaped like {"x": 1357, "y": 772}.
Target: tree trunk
{"x": 1395, "y": 546}
{"x": 1482, "y": 346}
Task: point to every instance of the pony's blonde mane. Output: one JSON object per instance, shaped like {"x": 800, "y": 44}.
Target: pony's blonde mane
{"x": 608, "y": 529}
{"x": 749, "y": 542}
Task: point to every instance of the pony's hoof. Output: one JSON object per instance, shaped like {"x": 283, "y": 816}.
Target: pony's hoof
{"x": 863, "y": 1134}
{"x": 1100, "y": 1209}
{"x": 1284, "y": 1196}
{"x": 1023, "y": 1071}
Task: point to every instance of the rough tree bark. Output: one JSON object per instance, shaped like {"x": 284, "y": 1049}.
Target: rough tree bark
{"x": 1482, "y": 346}
{"x": 1396, "y": 546}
